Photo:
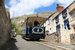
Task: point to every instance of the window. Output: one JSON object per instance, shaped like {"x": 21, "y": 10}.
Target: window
{"x": 73, "y": 15}
{"x": 66, "y": 24}
{"x": 57, "y": 19}
{"x": 64, "y": 14}
{"x": 50, "y": 31}
{"x": 58, "y": 29}
{"x": 48, "y": 21}
{"x": 44, "y": 24}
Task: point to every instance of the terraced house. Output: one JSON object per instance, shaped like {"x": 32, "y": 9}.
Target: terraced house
{"x": 63, "y": 24}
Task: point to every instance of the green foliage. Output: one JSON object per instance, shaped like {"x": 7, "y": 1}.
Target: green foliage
{"x": 16, "y": 29}
{"x": 14, "y": 25}
{"x": 19, "y": 32}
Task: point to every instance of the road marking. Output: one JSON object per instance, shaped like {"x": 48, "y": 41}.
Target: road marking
{"x": 54, "y": 46}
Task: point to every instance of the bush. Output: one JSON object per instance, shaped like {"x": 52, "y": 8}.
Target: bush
{"x": 16, "y": 29}
{"x": 14, "y": 25}
{"x": 18, "y": 32}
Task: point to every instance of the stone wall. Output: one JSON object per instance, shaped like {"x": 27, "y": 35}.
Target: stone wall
{"x": 72, "y": 38}
{"x": 53, "y": 37}
{"x": 5, "y": 25}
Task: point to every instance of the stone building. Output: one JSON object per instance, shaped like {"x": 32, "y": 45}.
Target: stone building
{"x": 5, "y": 24}
{"x": 50, "y": 22}
{"x": 62, "y": 25}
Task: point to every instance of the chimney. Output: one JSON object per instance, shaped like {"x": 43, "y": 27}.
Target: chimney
{"x": 59, "y": 8}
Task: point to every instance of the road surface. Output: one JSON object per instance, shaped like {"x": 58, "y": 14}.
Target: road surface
{"x": 21, "y": 44}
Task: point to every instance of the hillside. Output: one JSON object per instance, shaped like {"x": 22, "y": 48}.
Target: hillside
{"x": 19, "y": 20}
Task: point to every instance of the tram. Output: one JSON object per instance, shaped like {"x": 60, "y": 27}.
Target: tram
{"x": 30, "y": 31}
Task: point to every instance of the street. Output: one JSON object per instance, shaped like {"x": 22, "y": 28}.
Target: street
{"x": 21, "y": 44}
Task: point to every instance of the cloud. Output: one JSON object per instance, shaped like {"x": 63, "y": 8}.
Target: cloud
{"x": 22, "y": 7}
{"x": 6, "y": 6}
{"x": 65, "y": 3}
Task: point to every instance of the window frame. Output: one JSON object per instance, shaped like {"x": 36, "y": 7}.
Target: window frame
{"x": 57, "y": 28}
{"x": 57, "y": 19}
{"x": 72, "y": 12}
{"x": 73, "y": 15}
{"x": 48, "y": 21}
{"x": 65, "y": 26}
{"x": 64, "y": 14}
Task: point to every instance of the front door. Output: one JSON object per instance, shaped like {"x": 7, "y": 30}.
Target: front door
{"x": 74, "y": 29}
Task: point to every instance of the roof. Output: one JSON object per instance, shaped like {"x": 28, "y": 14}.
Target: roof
{"x": 49, "y": 17}
{"x": 30, "y": 20}
{"x": 54, "y": 15}
{"x": 64, "y": 9}
{"x": 57, "y": 13}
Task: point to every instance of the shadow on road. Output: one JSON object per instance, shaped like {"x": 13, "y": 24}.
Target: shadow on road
{"x": 10, "y": 45}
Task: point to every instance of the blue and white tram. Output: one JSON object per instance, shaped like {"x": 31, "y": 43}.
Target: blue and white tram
{"x": 34, "y": 32}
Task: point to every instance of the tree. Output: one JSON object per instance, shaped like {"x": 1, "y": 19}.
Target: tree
{"x": 16, "y": 29}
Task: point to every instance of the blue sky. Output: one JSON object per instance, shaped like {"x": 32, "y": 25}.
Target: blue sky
{"x": 22, "y": 7}
{"x": 48, "y": 8}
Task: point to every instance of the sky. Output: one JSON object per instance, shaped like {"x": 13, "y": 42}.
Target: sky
{"x": 26, "y": 7}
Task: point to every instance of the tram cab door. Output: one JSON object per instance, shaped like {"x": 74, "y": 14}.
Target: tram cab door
{"x": 28, "y": 29}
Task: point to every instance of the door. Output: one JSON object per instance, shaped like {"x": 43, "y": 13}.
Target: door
{"x": 74, "y": 29}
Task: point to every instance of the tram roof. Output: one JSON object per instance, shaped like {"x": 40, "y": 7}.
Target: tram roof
{"x": 32, "y": 19}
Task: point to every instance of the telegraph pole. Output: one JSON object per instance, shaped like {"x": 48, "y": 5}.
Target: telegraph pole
{"x": 13, "y": 17}
{"x": 37, "y": 14}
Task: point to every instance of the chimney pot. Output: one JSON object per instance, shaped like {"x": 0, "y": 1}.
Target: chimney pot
{"x": 59, "y": 8}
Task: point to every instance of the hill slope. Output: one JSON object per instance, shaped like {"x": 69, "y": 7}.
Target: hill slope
{"x": 19, "y": 20}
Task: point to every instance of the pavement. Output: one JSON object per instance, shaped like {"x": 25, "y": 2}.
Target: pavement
{"x": 57, "y": 46}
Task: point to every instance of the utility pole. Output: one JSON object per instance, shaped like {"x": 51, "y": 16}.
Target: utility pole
{"x": 13, "y": 17}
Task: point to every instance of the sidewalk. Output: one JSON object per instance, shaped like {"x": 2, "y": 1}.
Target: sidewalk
{"x": 58, "y": 45}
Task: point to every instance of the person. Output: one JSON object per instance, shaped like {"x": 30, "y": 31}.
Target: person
{"x": 36, "y": 23}
{"x": 15, "y": 34}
